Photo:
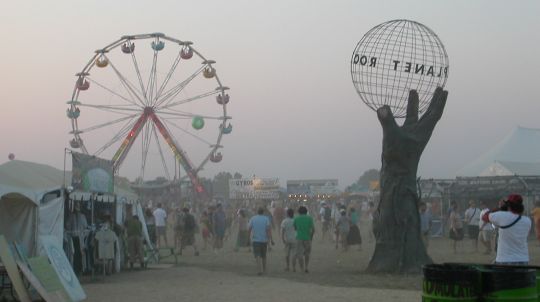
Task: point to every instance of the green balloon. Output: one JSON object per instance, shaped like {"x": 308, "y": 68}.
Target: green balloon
{"x": 197, "y": 123}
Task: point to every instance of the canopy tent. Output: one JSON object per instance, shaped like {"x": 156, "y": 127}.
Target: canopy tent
{"x": 31, "y": 203}
{"x": 516, "y": 154}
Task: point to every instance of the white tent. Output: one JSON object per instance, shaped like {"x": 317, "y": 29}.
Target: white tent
{"x": 516, "y": 154}
{"x": 31, "y": 203}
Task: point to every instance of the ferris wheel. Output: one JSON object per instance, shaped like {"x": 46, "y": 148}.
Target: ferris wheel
{"x": 148, "y": 101}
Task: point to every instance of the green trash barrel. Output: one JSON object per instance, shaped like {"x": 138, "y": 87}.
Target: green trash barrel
{"x": 537, "y": 268}
{"x": 508, "y": 283}
{"x": 447, "y": 282}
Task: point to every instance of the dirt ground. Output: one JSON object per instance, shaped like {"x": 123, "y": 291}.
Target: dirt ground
{"x": 334, "y": 275}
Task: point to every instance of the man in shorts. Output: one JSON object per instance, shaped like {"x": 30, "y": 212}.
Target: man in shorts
{"x": 160, "y": 217}
{"x": 305, "y": 229}
{"x": 472, "y": 218}
{"x": 261, "y": 232}
{"x": 288, "y": 236}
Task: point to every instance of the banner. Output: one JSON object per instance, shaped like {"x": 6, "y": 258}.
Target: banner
{"x": 92, "y": 174}
{"x": 254, "y": 188}
{"x": 313, "y": 187}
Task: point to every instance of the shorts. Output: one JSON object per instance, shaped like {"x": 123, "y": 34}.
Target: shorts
{"x": 473, "y": 231}
{"x": 160, "y": 230}
{"x": 326, "y": 225}
{"x": 290, "y": 248}
{"x": 303, "y": 248}
{"x": 457, "y": 235}
{"x": 259, "y": 249}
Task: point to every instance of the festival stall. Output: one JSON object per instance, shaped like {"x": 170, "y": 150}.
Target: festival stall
{"x": 31, "y": 203}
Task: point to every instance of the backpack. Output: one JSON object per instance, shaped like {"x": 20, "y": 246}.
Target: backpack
{"x": 327, "y": 214}
{"x": 189, "y": 222}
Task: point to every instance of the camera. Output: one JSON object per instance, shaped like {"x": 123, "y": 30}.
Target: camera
{"x": 504, "y": 207}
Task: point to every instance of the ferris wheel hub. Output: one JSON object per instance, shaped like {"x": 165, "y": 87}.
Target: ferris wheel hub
{"x": 148, "y": 110}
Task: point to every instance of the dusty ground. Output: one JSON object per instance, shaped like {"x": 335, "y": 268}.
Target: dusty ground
{"x": 231, "y": 276}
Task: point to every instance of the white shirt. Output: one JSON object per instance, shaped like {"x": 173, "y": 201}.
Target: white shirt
{"x": 484, "y": 226}
{"x": 287, "y": 225}
{"x": 160, "y": 215}
{"x": 512, "y": 243}
{"x": 472, "y": 216}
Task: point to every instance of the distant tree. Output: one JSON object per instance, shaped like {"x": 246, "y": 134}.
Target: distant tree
{"x": 237, "y": 175}
{"x": 221, "y": 183}
{"x": 364, "y": 181}
{"x": 369, "y": 176}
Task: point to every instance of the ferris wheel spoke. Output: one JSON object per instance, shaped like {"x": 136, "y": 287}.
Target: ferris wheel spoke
{"x": 123, "y": 132}
{"x": 146, "y": 139}
{"x": 174, "y": 91}
{"x": 188, "y": 115}
{"x": 188, "y": 100}
{"x": 127, "y": 85}
{"x": 169, "y": 75}
{"x": 112, "y": 108}
{"x": 86, "y": 130}
{"x": 151, "y": 80}
{"x": 189, "y": 133}
{"x": 158, "y": 144}
{"x": 139, "y": 76}
{"x": 112, "y": 91}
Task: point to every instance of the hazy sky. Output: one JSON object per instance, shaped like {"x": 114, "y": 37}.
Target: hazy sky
{"x": 295, "y": 111}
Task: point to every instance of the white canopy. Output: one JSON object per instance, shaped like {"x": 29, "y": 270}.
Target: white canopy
{"x": 516, "y": 154}
{"x": 31, "y": 203}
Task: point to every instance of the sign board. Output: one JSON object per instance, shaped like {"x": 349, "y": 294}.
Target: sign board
{"x": 7, "y": 259}
{"x": 92, "y": 174}
{"x": 254, "y": 188}
{"x": 39, "y": 272}
{"x": 61, "y": 265}
{"x": 313, "y": 187}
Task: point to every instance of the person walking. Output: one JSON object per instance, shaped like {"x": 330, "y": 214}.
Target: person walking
{"x": 219, "y": 223}
{"x": 486, "y": 230}
{"x": 535, "y": 215}
{"x": 514, "y": 227}
{"x": 134, "y": 233}
{"x": 205, "y": 228}
{"x": 242, "y": 239}
{"x": 456, "y": 226}
{"x": 305, "y": 229}
{"x": 342, "y": 230}
{"x": 189, "y": 228}
{"x": 288, "y": 237}
{"x": 354, "y": 236}
{"x": 160, "y": 217}
{"x": 425, "y": 223}
{"x": 260, "y": 230}
{"x": 472, "y": 218}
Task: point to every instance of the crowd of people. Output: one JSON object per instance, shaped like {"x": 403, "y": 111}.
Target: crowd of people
{"x": 253, "y": 226}
{"x": 256, "y": 226}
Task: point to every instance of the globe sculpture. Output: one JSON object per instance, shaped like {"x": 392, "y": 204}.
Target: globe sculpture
{"x": 395, "y": 57}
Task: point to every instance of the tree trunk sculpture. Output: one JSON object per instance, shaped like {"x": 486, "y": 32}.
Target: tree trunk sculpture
{"x": 396, "y": 223}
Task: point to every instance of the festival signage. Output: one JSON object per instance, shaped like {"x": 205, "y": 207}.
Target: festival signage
{"x": 254, "y": 188}
{"x": 42, "y": 276}
{"x": 313, "y": 187}
{"x": 61, "y": 265}
{"x": 92, "y": 174}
